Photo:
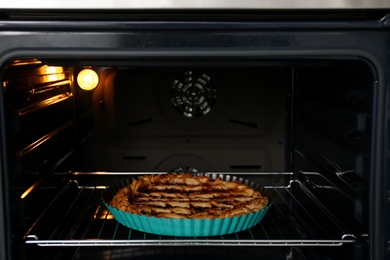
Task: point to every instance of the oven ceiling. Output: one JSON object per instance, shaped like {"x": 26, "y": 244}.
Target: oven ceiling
{"x": 195, "y": 4}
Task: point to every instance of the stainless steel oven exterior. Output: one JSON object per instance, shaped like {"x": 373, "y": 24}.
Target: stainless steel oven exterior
{"x": 198, "y": 5}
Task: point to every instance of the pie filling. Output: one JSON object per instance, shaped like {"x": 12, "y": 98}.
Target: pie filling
{"x": 186, "y": 196}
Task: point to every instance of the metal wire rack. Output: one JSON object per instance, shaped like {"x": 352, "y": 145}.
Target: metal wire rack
{"x": 77, "y": 217}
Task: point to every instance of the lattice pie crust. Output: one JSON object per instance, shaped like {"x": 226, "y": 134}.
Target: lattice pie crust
{"x": 187, "y": 196}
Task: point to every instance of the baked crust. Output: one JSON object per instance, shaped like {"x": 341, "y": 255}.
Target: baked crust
{"x": 187, "y": 196}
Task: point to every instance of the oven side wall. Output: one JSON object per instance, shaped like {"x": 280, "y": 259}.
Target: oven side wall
{"x": 5, "y": 246}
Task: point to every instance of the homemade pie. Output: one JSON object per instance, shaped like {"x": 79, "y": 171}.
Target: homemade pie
{"x": 185, "y": 196}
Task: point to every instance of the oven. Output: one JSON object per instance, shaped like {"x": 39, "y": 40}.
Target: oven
{"x": 296, "y": 101}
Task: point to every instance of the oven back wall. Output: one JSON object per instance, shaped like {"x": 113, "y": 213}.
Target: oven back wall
{"x": 201, "y": 119}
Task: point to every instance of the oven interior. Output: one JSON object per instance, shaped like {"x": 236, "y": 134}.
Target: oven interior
{"x": 301, "y": 128}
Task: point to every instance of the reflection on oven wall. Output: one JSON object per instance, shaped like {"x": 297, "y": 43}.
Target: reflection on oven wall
{"x": 200, "y": 119}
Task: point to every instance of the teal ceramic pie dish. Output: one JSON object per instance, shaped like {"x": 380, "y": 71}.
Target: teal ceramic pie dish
{"x": 181, "y": 227}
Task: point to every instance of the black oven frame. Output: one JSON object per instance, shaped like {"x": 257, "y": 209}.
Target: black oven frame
{"x": 50, "y": 38}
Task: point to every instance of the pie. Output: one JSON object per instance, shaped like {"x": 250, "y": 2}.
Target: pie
{"x": 187, "y": 196}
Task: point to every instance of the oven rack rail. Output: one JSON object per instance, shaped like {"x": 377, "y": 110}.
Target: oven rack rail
{"x": 77, "y": 217}
{"x": 191, "y": 242}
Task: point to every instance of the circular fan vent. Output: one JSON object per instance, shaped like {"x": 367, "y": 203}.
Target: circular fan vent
{"x": 193, "y": 95}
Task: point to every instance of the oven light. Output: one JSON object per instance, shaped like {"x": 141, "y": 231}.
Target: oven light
{"x": 88, "y": 79}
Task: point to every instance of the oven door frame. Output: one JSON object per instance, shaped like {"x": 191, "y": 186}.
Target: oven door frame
{"x": 158, "y": 40}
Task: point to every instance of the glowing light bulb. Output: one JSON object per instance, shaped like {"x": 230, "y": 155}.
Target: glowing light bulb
{"x": 88, "y": 79}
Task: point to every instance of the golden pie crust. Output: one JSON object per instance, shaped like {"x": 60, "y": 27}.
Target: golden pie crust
{"x": 187, "y": 196}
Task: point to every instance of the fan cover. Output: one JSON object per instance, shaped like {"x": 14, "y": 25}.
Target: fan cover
{"x": 193, "y": 95}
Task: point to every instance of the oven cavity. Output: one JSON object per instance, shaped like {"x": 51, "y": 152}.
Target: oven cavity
{"x": 301, "y": 130}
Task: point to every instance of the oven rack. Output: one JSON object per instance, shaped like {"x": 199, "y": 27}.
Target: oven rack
{"x": 77, "y": 217}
